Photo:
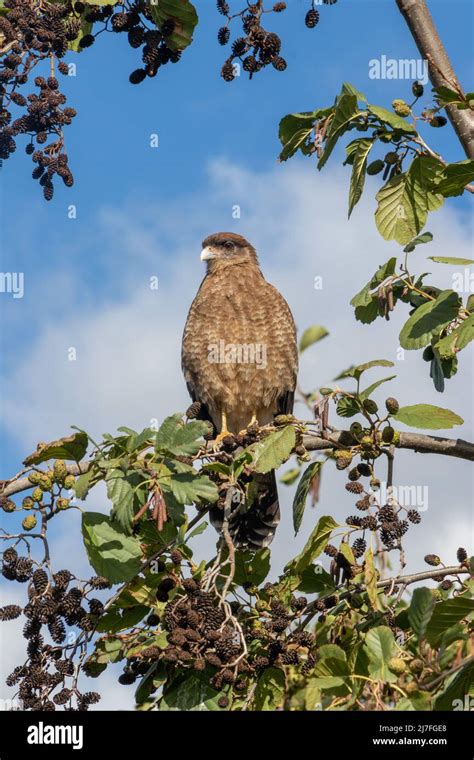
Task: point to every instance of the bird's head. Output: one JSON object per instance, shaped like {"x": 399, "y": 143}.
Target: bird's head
{"x": 226, "y": 248}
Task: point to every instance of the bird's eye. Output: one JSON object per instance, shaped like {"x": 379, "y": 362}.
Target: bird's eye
{"x": 229, "y": 245}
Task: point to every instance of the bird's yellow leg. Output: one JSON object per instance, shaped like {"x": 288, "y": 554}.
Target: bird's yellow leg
{"x": 224, "y": 431}
{"x": 252, "y": 422}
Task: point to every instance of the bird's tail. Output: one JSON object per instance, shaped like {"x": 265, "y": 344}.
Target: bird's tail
{"x": 254, "y": 516}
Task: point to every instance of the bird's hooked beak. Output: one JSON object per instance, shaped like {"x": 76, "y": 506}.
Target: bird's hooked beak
{"x": 207, "y": 254}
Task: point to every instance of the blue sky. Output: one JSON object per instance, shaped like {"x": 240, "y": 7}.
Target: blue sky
{"x": 143, "y": 211}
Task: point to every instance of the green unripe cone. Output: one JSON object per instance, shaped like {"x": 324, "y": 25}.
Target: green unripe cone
{"x": 62, "y": 503}
{"x": 397, "y": 665}
{"x": 343, "y": 459}
{"x": 45, "y": 483}
{"x": 438, "y": 121}
{"x": 260, "y": 605}
{"x": 387, "y": 434}
{"x": 366, "y": 442}
{"x": 27, "y": 503}
{"x": 69, "y": 481}
{"x": 34, "y": 478}
{"x": 391, "y": 158}
{"x": 433, "y": 560}
{"x": 355, "y": 429}
{"x": 29, "y": 522}
{"x": 416, "y": 666}
{"x": 401, "y": 108}
{"x": 37, "y": 494}
{"x": 411, "y": 687}
{"x": 392, "y": 406}
{"x": 375, "y": 167}
{"x": 370, "y": 406}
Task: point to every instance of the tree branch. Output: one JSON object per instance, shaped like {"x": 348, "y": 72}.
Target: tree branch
{"x": 428, "y": 41}
{"x": 423, "y": 444}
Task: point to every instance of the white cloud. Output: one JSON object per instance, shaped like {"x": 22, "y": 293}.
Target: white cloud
{"x": 128, "y": 344}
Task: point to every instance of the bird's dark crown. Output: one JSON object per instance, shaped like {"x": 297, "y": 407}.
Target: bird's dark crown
{"x": 221, "y": 238}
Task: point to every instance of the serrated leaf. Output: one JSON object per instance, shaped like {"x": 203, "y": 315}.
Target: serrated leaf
{"x": 252, "y": 567}
{"x": 420, "y": 610}
{"x": 429, "y": 319}
{"x": 428, "y": 417}
{"x": 446, "y": 614}
{"x": 82, "y": 484}
{"x": 345, "y": 111}
{"x": 189, "y": 487}
{"x": 270, "y": 690}
{"x": 388, "y": 117}
{"x": 71, "y": 448}
{"x": 180, "y": 439}
{"x": 274, "y": 449}
{"x": 190, "y": 693}
{"x": 295, "y": 128}
{"x": 359, "y": 165}
{"x": 364, "y": 297}
{"x": 302, "y": 491}
{"x": 457, "y": 687}
{"x": 120, "y": 492}
{"x": 351, "y": 90}
{"x": 456, "y": 177}
{"x": 380, "y": 646}
{"x": 111, "y": 553}
{"x": 458, "y": 339}
{"x": 405, "y": 200}
{"x": 347, "y": 406}
{"x": 315, "y": 544}
{"x": 183, "y": 13}
{"x": 312, "y": 335}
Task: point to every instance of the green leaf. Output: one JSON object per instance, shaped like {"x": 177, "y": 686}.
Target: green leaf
{"x": 359, "y": 165}
{"x": 180, "y": 439}
{"x": 71, "y": 448}
{"x": 347, "y": 406}
{"x": 274, "y": 449}
{"x": 315, "y": 580}
{"x": 456, "y": 177}
{"x": 456, "y": 688}
{"x": 345, "y": 111}
{"x": 111, "y": 553}
{"x": 315, "y": 544}
{"x": 426, "y": 416}
{"x": 357, "y": 370}
{"x": 420, "y": 610}
{"x": 388, "y": 117}
{"x": 295, "y": 128}
{"x": 368, "y": 391}
{"x": 82, "y": 484}
{"x": 120, "y": 492}
{"x": 426, "y": 237}
{"x": 451, "y": 260}
{"x": 351, "y": 90}
{"x": 446, "y": 614}
{"x": 363, "y": 297}
{"x": 404, "y": 201}
{"x": 252, "y": 567}
{"x": 312, "y": 335}
{"x": 270, "y": 690}
{"x": 458, "y": 339}
{"x": 189, "y": 487}
{"x": 332, "y": 668}
{"x": 380, "y": 646}
{"x": 302, "y": 491}
{"x": 183, "y": 13}
{"x": 429, "y": 319}
{"x": 191, "y": 693}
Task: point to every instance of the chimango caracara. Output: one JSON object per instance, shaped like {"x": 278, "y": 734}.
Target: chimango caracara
{"x": 240, "y": 361}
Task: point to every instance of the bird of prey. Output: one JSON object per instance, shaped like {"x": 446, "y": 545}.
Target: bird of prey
{"x": 240, "y": 361}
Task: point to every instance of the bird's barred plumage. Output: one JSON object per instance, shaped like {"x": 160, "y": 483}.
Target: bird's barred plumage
{"x": 240, "y": 360}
